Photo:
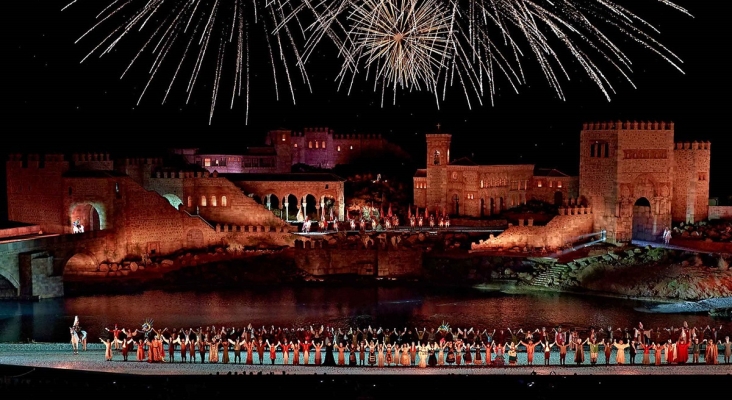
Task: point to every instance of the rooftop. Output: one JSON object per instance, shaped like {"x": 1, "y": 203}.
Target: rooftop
{"x": 550, "y": 172}
{"x": 464, "y": 161}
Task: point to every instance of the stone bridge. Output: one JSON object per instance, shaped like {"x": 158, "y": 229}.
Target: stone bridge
{"x": 34, "y": 267}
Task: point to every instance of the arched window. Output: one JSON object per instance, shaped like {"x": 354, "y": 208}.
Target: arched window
{"x": 316, "y": 144}
{"x": 310, "y": 144}
{"x": 190, "y": 201}
{"x": 223, "y": 201}
{"x": 213, "y": 201}
{"x": 481, "y": 184}
{"x": 351, "y": 148}
{"x": 600, "y": 150}
{"x": 203, "y": 201}
{"x": 295, "y": 145}
{"x": 436, "y": 157}
{"x": 283, "y": 138}
{"x": 323, "y": 144}
{"x": 339, "y": 148}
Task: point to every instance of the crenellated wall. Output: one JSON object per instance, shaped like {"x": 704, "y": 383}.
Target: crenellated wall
{"x": 564, "y": 229}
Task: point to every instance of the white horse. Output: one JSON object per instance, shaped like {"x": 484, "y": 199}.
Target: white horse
{"x": 74, "y": 340}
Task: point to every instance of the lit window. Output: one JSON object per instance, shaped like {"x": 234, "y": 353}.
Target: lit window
{"x": 316, "y": 144}
{"x": 481, "y": 183}
{"x": 213, "y": 201}
{"x": 295, "y": 144}
{"x": 190, "y": 201}
{"x": 203, "y": 201}
{"x": 323, "y": 144}
{"x": 538, "y": 184}
{"x": 559, "y": 184}
{"x": 551, "y": 183}
{"x": 310, "y": 144}
{"x": 283, "y": 137}
{"x": 351, "y": 147}
{"x": 206, "y": 162}
{"x": 339, "y": 148}
{"x": 223, "y": 201}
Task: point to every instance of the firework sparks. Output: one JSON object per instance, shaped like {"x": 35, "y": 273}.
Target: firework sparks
{"x": 413, "y": 44}
{"x": 197, "y": 30}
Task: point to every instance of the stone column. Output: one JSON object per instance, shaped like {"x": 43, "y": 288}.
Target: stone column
{"x": 287, "y": 211}
{"x": 269, "y": 202}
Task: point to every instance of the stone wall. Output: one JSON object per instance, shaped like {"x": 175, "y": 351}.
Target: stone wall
{"x": 20, "y": 231}
{"x": 691, "y": 182}
{"x": 34, "y": 190}
{"x": 720, "y": 212}
{"x": 373, "y": 261}
{"x": 545, "y": 188}
{"x": 564, "y": 229}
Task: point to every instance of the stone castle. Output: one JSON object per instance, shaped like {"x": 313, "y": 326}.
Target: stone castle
{"x": 316, "y": 147}
{"x": 634, "y": 181}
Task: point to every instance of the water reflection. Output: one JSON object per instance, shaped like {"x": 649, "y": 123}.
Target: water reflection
{"x": 391, "y": 307}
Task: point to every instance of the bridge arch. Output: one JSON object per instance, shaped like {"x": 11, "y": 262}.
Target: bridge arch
{"x": 8, "y": 287}
{"x": 80, "y": 263}
{"x": 92, "y": 215}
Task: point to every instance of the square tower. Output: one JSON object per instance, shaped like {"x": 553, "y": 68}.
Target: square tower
{"x": 438, "y": 157}
{"x": 626, "y": 176}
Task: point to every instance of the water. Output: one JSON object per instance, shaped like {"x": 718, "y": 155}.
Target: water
{"x": 403, "y": 306}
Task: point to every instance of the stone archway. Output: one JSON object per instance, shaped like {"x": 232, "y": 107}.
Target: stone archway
{"x": 79, "y": 264}
{"x": 7, "y": 288}
{"x": 90, "y": 216}
{"x": 642, "y": 220}
{"x": 174, "y": 200}
{"x": 455, "y": 204}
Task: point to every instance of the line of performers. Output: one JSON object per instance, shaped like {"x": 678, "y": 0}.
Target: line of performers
{"x": 434, "y": 347}
{"x": 372, "y": 224}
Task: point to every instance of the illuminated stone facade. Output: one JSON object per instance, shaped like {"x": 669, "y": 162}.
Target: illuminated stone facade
{"x": 317, "y": 147}
{"x": 638, "y": 180}
{"x": 463, "y": 188}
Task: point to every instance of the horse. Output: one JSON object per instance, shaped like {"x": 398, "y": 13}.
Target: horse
{"x": 74, "y": 340}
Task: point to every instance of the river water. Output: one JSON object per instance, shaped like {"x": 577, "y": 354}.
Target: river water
{"x": 392, "y": 306}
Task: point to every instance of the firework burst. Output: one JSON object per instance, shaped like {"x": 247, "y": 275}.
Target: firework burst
{"x": 194, "y": 31}
{"x": 415, "y": 44}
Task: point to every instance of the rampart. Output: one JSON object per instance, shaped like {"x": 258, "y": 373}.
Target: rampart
{"x": 378, "y": 260}
{"x": 720, "y": 212}
{"x": 564, "y": 229}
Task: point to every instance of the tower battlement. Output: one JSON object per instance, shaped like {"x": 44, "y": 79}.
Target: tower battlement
{"x": 705, "y": 146}
{"x": 628, "y": 125}
{"x": 325, "y": 130}
{"x": 141, "y": 161}
{"x": 87, "y": 157}
{"x": 34, "y": 160}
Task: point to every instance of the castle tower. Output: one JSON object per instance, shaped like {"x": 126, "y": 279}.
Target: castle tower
{"x": 691, "y": 182}
{"x": 281, "y": 139}
{"x": 438, "y": 157}
{"x": 626, "y": 176}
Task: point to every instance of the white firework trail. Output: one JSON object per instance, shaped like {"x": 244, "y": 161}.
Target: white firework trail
{"x": 547, "y": 33}
{"x": 169, "y": 36}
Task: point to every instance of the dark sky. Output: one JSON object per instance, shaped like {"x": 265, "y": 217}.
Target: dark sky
{"x": 54, "y": 103}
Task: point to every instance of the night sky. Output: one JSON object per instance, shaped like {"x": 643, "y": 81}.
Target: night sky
{"x": 54, "y": 103}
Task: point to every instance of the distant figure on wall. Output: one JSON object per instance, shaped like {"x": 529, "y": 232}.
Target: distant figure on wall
{"x": 78, "y": 227}
{"x": 666, "y": 235}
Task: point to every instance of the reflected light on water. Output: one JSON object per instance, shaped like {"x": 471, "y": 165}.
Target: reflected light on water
{"x": 389, "y": 307}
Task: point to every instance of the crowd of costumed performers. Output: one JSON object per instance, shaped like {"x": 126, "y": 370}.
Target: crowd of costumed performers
{"x": 434, "y": 347}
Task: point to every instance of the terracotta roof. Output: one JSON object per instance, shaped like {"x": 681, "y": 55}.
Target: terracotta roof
{"x": 421, "y": 173}
{"x": 550, "y": 172}
{"x": 464, "y": 161}
{"x": 293, "y": 177}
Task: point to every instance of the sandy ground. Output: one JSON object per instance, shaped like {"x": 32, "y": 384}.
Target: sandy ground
{"x": 60, "y": 356}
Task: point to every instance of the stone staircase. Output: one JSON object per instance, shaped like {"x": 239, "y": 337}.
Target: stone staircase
{"x": 551, "y": 276}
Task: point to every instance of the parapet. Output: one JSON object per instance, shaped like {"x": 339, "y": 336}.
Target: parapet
{"x": 87, "y": 157}
{"x": 325, "y": 130}
{"x": 628, "y": 125}
{"x": 34, "y": 159}
{"x": 694, "y": 145}
{"x": 359, "y": 136}
{"x": 226, "y": 228}
{"x": 142, "y": 161}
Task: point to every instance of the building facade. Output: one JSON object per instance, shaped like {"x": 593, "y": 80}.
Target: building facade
{"x": 316, "y": 147}
{"x": 633, "y": 176}
{"x": 638, "y": 181}
{"x": 461, "y": 187}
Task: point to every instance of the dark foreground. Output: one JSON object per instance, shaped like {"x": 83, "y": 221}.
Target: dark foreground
{"x": 31, "y": 382}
